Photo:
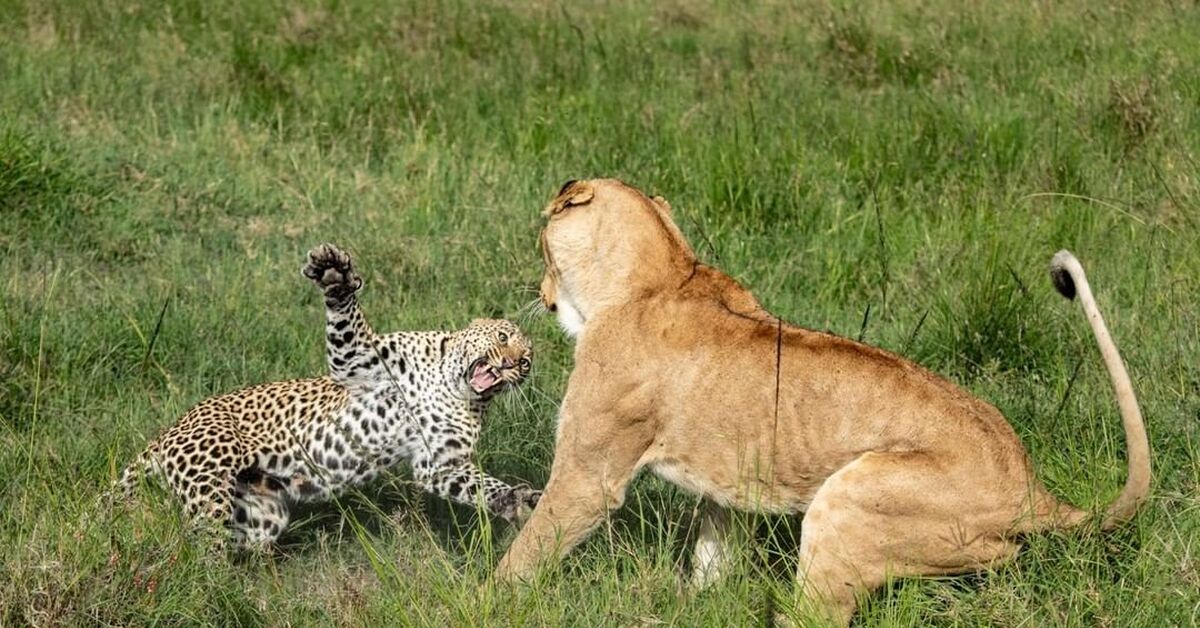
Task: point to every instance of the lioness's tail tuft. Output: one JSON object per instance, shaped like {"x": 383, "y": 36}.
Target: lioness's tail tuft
{"x": 1068, "y": 277}
{"x": 1060, "y": 276}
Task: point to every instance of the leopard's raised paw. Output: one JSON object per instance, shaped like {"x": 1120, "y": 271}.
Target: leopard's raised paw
{"x": 332, "y": 270}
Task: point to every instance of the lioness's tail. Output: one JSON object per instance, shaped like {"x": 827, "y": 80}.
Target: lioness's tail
{"x": 1068, "y": 277}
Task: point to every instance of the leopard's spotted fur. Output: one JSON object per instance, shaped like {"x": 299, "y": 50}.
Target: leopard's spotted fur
{"x": 237, "y": 459}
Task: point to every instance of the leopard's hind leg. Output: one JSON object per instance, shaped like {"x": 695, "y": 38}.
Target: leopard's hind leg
{"x": 260, "y": 509}
{"x": 200, "y": 464}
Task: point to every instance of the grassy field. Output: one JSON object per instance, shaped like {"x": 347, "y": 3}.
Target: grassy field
{"x": 900, "y": 172}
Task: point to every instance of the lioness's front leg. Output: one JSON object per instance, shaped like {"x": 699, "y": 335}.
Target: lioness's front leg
{"x": 592, "y": 468}
{"x": 714, "y": 547}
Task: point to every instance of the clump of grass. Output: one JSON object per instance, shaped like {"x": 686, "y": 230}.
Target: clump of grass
{"x": 24, "y": 365}
{"x": 991, "y": 325}
{"x": 25, "y": 177}
{"x": 36, "y": 178}
{"x": 1135, "y": 108}
{"x": 869, "y": 57}
{"x": 263, "y": 88}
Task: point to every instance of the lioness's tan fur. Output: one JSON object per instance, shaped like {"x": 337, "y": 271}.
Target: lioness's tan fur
{"x": 677, "y": 368}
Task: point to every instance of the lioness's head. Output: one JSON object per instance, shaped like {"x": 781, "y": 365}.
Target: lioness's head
{"x": 605, "y": 243}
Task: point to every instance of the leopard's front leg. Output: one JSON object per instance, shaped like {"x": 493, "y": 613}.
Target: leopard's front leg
{"x": 445, "y": 467}
{"x": 351, "y": 346}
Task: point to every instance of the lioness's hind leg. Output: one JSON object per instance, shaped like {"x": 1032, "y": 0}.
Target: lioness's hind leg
{"x": 894, "y": 515}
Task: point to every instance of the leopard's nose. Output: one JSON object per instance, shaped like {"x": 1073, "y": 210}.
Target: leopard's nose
{"x": 508, "y": 363}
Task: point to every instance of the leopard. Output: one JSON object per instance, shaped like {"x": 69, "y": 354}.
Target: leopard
{"x": 240, "y": 460}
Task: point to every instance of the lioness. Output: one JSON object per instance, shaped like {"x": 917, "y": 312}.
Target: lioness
{"x": 677, "y": 368}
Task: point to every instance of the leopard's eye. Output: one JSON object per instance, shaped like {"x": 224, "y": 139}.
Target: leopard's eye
{"x": 524, "y": 363}
{"x": 503, "y": 337}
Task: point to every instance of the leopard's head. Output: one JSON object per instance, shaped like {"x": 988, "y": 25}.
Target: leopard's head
{"x": 494, "y": 355}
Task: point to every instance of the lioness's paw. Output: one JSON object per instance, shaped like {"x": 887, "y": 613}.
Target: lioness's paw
{"x": 331, "y": 269}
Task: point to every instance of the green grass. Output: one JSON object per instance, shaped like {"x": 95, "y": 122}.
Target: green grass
{"x": 165, "y": 165}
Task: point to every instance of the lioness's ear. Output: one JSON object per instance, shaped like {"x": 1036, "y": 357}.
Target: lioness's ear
{"x": 572, "y": 193}
{"x": 662, "y": 202}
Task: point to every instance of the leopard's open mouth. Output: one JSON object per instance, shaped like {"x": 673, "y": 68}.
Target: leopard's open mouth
{"x": 483, "y": 377}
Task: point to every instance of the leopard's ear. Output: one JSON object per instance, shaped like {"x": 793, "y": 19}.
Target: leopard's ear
{"x": 662, "y": 204}
{"x": 571, "y": 194}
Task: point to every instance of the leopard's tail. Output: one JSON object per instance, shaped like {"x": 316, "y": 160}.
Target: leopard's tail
{"x": 1068, "y": 277}
{"x": 144, "y": 466}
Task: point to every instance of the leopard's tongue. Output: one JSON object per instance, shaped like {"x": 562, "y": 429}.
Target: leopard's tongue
{"x": 482, "y": 377}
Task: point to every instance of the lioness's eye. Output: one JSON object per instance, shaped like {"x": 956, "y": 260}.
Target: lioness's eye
{"x": 524, "y": 363}
{"x": 503, "y": 337}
